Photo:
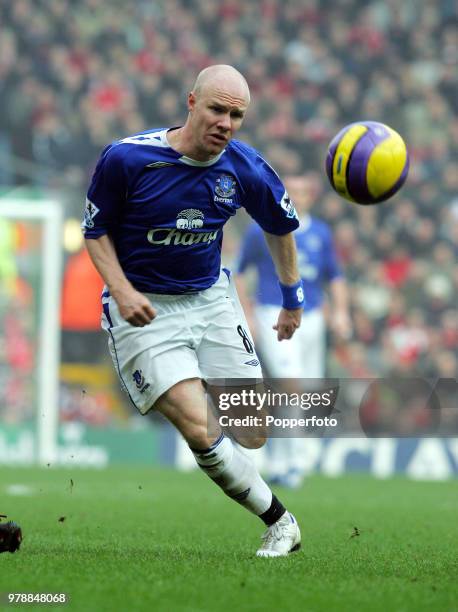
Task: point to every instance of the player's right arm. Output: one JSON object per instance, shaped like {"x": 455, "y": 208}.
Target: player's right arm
{"x": 105, "y": 202}
{"x": 133, "y": 306}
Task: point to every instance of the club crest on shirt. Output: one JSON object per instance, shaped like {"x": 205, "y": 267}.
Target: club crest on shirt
{"x": 89, "y": 213}
{"x": 190, "y": 218}
{"x": 225, "y": 188}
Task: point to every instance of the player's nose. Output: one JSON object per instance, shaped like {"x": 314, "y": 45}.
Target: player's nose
{"x": 224, "y": 122}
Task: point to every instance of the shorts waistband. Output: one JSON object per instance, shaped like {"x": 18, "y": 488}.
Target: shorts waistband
{"x": 174, "y": 297}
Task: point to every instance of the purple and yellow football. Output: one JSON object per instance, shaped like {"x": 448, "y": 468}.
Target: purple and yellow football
{"x": 367, "y": 162}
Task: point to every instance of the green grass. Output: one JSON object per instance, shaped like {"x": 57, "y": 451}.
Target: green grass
{"x": 142, "y": 539}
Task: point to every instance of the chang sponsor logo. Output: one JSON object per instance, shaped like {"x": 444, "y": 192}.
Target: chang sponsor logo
{"x": 190, "y": 218}
{"x": 167, "y": 237}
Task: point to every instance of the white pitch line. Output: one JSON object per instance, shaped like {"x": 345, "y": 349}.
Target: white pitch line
{"x": 19, "y": 490}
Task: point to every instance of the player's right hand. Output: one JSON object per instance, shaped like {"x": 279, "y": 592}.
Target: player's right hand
{"x": 135, "y": 308}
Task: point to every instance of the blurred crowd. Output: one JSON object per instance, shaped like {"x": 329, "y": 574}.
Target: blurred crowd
{"x": 77, "y": 74}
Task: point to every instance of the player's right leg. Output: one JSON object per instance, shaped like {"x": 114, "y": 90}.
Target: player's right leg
{"x": 185, "y": 406}
{"x": 159, "y": 368}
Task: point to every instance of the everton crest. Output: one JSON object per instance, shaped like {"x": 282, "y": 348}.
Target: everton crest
{"x": 225, "y": 186}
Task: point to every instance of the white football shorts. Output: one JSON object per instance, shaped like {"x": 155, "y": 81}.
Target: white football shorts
{"x": 202, "y": 335}
{"x": 303, "y": 356}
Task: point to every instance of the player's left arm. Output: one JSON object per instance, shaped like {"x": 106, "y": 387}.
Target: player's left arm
{"x": 269, "y": 204}
{"x": 284, "y": 255}
{"x": 340, "y": 320}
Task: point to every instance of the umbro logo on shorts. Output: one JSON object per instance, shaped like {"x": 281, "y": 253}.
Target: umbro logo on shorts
{"x": 253, "y": 362}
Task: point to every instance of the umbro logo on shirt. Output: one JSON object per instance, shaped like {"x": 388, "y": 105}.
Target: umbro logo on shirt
{"x": 159, "y": 164}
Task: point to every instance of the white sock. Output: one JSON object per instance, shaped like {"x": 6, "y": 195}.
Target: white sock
{"x": 236, "y": 474}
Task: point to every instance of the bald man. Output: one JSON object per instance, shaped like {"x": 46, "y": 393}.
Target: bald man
{"x": 153, "y": 225}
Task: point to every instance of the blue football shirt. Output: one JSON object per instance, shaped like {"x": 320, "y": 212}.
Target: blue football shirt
{"x": 165, "y": 212}
{"x": 317, "y": 262}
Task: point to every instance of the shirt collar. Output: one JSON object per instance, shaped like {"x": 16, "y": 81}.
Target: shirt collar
{"x": 184, "y": 158}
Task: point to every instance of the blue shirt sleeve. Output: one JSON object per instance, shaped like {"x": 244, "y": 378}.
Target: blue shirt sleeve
{"x": 268, "y": 202}
{"x": 106, "y": 195}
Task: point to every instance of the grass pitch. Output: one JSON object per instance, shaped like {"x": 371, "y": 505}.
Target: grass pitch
{"x": 143, "y": 539}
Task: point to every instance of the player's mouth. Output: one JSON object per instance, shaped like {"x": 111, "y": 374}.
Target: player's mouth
{"x": 222, "y": 140}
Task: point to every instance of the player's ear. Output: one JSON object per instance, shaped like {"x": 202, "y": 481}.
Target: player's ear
{"x": 191, "y": 101}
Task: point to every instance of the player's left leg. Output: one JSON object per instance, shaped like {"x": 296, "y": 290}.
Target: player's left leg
{"x": 185, "y": 406}
{"x": 227, "y": 351}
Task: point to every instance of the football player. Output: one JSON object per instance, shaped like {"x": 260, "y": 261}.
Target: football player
{"x": 153, "y": 226}
{"x": 303, "y": 357}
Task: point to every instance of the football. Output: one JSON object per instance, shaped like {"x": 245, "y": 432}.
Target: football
{"x": 367, "y": 162}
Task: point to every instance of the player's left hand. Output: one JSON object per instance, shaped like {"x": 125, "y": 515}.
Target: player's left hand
{"x": 288, "y": 322}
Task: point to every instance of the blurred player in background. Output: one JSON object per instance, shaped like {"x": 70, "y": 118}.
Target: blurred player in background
{"x": 304, "y": 356}
{"x": 153, "y": 226}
